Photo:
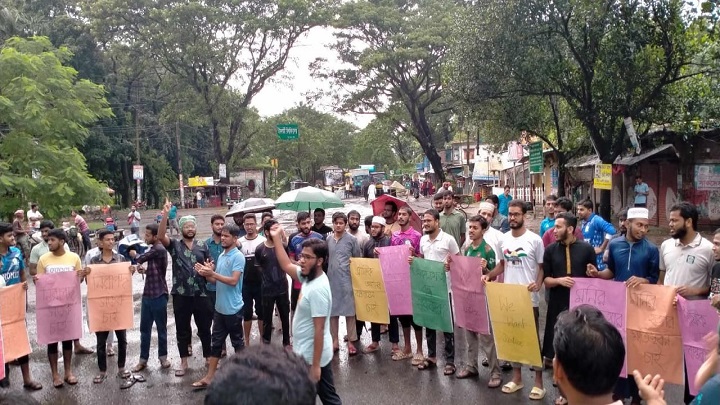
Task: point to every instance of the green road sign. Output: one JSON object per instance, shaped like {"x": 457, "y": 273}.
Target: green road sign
{"x": 288, "y": 132}
{"x": 536, "y": 157}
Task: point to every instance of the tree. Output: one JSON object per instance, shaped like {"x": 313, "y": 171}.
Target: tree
{"x": 225, "y": 50}
{"x": 44, "y": 114}
{"x": 606, "y": 59}
{"x": 395, "y": 50}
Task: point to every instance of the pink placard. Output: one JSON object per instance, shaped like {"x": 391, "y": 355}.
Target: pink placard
{"x": 609, "y": 297}
{"x": 58, "y": 307}
{"x": 697, "y": 319}
{"x": 396, "y": 275}
{"x": 469, "y": 294}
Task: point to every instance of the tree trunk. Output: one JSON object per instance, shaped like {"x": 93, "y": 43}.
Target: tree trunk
{"x": 562, "y": 171}
{"x": 435, "y": 162}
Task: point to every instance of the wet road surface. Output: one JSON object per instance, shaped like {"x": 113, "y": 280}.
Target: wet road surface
{"x": 366, "y": 378}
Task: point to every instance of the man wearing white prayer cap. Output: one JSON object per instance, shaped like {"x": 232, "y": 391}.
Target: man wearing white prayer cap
{"x": 377, "y": 239}
{"x": 634, "y": 260}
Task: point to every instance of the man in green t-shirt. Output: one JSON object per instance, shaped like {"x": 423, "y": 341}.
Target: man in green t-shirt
{"x": 451, "y": 220}
{"x": 478, "y": 247}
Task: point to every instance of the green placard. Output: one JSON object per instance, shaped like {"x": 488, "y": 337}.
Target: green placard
{"x": 288, "y": 132}
{"x": 431, "y": 303}
{"x": 536, "y": 157}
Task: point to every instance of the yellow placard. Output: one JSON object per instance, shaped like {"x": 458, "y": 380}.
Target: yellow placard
{"x": 513, "y": 323}
{"x": 603, "y": 177}
{"x": 371, "y": 302}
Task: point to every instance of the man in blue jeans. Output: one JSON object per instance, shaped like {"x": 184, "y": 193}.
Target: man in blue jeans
{"x": 155, "y": 298}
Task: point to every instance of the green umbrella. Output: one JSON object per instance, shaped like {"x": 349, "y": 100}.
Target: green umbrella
{"x": 308, "y": 198}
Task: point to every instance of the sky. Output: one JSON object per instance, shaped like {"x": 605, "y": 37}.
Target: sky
{"x": 295, "y": 82}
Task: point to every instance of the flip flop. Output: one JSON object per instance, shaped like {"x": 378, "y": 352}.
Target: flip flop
{"x": 180, "y": 372}
{"x": 427, "y": 364}
{"x": 398, "y": 356}
{"x": 369, "y": 350}
{"x": 110, "y": 352}
{"x": 124, "y": 374}
{"x": 199, "y": 385}
{"x": 139, "y": 367}
{"x": 417, "y": 359}
{"x": 129, "y": 382}
{"x": 536, "y": 394}
{"x": 352, "y": 351}
{"x": 511, "y": 387}
{"x": 58, "y": 386}
{"x": 449, "y": 369}
{"x": 494, "y": 382}
{"x": 466, "y": 373}
{"x": 139, "y": 378}
{"x": 165, "y": 364}
{"x": 33, "y": 386}
{"x": 99, "y": 379}
{"x": 71, "y": 381}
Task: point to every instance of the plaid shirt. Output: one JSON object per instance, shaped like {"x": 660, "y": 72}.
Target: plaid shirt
{"x": 157, "y": 262}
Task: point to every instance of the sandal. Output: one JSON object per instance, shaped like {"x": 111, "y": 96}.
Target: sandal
{"x": 449, "y": 369}
{"x": 99, "y": 378}
{"x": 467, "y": 372}
{"x": 129, "y": 382}
{"x": 397, "y": 356}
{"x": 84, "y": 350}
{"x": 139, "y": 378}
{"x": 72, "y": 380}
{"x": 58, "y": 385}
{"x": 561, "y": 400}
{"x": 180, "y": 372}
{"x": 417, "y": 360}
{"x": 124, "y": 374}
{"x": 536, "y": 394}
{"x": 199, "y": 385}
{"x": 33, "y": 386}
{"x": 110, "y": 352}
{"x": 352, "y": 351}
{"x": 427, "y": 364}
{"x": 494, "y": 382}
{"x": 371, "y": 349}
{"x": 139, "y": 367}
{"x": 511, "y": 387}
{"x": 165, "y": 363}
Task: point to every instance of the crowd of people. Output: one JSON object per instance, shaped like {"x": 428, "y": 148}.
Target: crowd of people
{"x": 239, "y": 276}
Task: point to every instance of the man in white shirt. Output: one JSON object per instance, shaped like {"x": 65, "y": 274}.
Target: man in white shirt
{"x": 134, "y": 221}
{"x": 522, "y": 258}
{"x": 34, "y": 217}
{"x": 686, "y": 260}
{"x": 437, "y": 245}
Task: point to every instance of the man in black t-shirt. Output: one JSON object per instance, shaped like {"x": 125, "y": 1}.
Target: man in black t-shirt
{"x": 274, "y": 288}
{"x": 319, "y": 223}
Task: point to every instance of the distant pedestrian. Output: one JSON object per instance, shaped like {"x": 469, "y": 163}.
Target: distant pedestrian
{"x": 642, "y": 190}
{"x": 503, "y": 201}
{"x": 133, "y": 219}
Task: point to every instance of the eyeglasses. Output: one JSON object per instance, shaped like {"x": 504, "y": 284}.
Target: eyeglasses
{"x": 515, "y": 214}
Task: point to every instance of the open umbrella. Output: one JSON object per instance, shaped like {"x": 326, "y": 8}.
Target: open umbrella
{"x": 378, "y": 205}
{"x": 308, "y": 198}
{"x": 251, "y": 205}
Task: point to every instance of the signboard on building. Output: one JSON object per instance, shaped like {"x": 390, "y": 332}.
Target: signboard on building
{"x": 603, "y": 177}
{"x": 138, "y": 172}
{"x": 536, "y": 157}
{"x": 222, "y": 168}
{"x": 707, "y": 177}
{"x": 251, "y": 180}
{"x": 334, "y": 177}
{"x": 198, "y": 181}
{"x": 288, "y": 132}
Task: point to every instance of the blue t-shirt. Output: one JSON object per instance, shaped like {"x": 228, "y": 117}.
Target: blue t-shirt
{"x": 546, "y": 224}
{"x": 172, "y": 214}
{"x": 229, "y": 299}
{"x": 641, "y": 188}
{"x": 315, "y": 301}
{"x": 12, "y": 265}
{"x": 709, "y": 393}
{"x": 215, "y": 249}
{"x": 503, "y": 201}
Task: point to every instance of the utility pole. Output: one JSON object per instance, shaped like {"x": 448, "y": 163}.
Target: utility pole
{"x": 138, "y": 189}
{"x": 180, "y": 170}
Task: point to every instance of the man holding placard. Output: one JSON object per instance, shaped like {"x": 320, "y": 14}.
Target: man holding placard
{"x": 522, "y": 257}
{"x": 378, "y": 238}
{"x": 478, "y": 247}
{"x": 437, "y": 245}
{"x": 563, "y": 261}
{"x": 12, "y": 269}
{"x": 107, "y": 256}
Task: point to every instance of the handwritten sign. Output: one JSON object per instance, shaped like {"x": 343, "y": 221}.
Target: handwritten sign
{"x": 469, "y": 294}
{"x": 430, "y": 298}
{"x": 58, "y": 307}
{"x": 609, "y": 297}
{"x": 654, "y": 345}
{"x": 14, "y": 327}
{"x": 371, "y": 303}
{"x": 513, "y": 323}
{"x": 110, "y": 301}
{"x": 396, "y": 275}
{"x": 697, "y": 319}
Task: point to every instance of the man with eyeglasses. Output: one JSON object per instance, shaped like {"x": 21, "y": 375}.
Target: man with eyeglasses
{"x": 252, "y": 279}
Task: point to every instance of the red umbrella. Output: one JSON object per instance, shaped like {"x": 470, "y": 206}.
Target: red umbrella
{"x": 378, "y": 205}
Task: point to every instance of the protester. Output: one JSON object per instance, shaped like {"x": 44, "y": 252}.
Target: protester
{"x": 274, "y": 287}
{"x": 378, "y": 238}
{"x": 12, "y": 269}
{"x": 262, "y": 375}
{"x": 563, "y": 204}
{"x": 252, "y": 279}
{"x": 319, "y": 223}
{"x": 478, "y": 247}
{"x": 341, "y": 247}
{"x": 305, "y": 232}
{"x": 451, "y": 220}
{"x": 354, "y": 227}
{"x": 390, "y": 215}
{"x": 549, "y": 221}
{"x": 522, "y": 259}
{"x": 313, "y": 340}
{"x": 596, "y": 230}
{"x": 227, "y": 274}
{"x": 686, "y": 260}
{"x": 189, "y": 289}
{"x": 107, "y": 256}
{"x": 437, "y": 245}
{"x": 133, "y": 219}
{"x": 153, "y": 307}
{"x": 499, "y": 221}
{"x": 214, "y": 247}
{"x": 56, "y": 261}
{"x": 563, "y": 261}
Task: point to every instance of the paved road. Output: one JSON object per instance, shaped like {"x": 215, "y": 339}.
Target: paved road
{"x": 372, "y": 378}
